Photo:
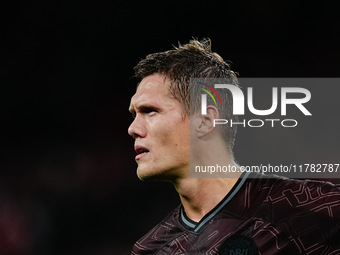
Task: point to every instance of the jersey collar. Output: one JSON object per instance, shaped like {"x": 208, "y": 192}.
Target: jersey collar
{"x": 196, "y": 226}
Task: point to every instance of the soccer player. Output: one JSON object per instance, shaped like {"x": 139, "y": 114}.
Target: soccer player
{"x": 242, "y": 214}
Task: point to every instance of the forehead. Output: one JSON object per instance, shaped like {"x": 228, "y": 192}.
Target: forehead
{"x": 154, "y": 87}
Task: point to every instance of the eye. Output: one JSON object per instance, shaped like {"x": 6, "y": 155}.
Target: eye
{"x": 133, "y": 114}
{"x": 148, "y": 110}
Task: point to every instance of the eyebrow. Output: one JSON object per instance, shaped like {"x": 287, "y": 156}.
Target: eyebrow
{"x": 143, "y": 107}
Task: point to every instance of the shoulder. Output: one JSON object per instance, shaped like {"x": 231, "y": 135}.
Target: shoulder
{"x": 159, "y": 235}
{"x": 303, "y": 190}
{"x": 289, "y": 197}
{"x": 278, "y": 186}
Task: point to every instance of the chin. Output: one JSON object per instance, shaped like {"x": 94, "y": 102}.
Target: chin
{"x": 151, "y": 175}
{"x": 144, "y": 174}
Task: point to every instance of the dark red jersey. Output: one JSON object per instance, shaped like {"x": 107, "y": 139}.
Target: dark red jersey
{"x": 258, "y": 216}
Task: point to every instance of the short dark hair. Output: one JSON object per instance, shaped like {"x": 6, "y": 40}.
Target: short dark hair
{"x": 192, "y": 60}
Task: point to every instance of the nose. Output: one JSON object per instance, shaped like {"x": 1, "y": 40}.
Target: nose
{"x": 136, "y": 129}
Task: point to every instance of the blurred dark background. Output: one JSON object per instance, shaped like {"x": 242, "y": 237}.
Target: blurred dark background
{"x": 67, "y": 170}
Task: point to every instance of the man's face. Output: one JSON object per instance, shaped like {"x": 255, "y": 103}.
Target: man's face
{"x": 161, "y": 133}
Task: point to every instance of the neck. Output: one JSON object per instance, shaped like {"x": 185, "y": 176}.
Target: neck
{"x": 199, "y": 196}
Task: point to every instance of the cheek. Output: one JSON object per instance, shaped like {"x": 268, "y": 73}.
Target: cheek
{"x": 171, "y": 132}
{"x": 161, "y": 133}
{"x": 180, "y": 136}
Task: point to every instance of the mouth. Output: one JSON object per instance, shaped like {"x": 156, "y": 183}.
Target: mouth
{"x": 141, "y": 151}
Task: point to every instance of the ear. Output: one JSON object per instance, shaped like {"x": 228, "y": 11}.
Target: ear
{"x": 207, "y": 121}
